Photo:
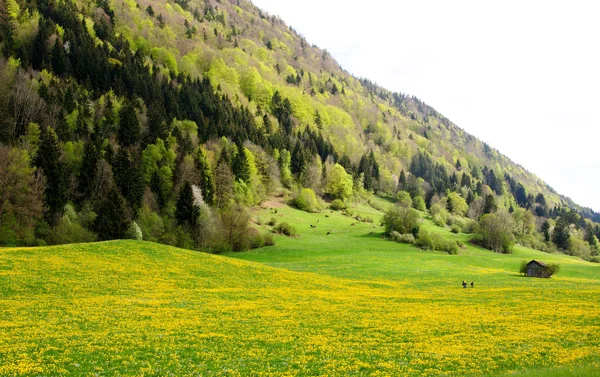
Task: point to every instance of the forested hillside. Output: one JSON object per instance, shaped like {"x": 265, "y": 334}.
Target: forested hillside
{"x": 164, "y": 121}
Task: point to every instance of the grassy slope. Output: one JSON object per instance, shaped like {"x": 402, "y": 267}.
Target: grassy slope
{"x": 340, "y": 304}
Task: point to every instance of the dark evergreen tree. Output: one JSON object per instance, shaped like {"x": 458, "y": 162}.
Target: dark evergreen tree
{"x": 207, "y": 184}
{"x": 48, "y": 159}
{"x": 490, "y": 204}
{"x": 546, "y": 230}
{"x": 186, "y": 212}
{"x": 89, "y": 167}
{"x": 240, "y": 166}
{"x": 129, "y": 126}
{"x": 60, "y": 62}
{"x": 111, "y": 222}
{"x": 129, "y": 178}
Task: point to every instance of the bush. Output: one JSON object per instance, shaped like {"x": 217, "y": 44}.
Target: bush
{"x": 269, "y": 240}
{"x": 595, "y": 259}
{"x": 551, "y": 269}
{"x": 285, "y": 229}
{"x": 419, "y": 203}
{"x": 67, "y": 231}
{"x": 424, "y": 241}
{"x": 255, "y": 238}
{"x": 337, "y": 205}
{"x": 135, "y": 232}
{"x": 439, "y": 220}
{"x": 470, "y": 227}
{"x": 273, "y": 221}
{"x": 402, "y": 238}
{"x": 404, "y": 199}
{"x": 307, "y": 201}
{"x": 368, "y": 219}
{"x": 436, "y": 242}
{"x": 455, "y": 229}
{"x": 400, "y": 219}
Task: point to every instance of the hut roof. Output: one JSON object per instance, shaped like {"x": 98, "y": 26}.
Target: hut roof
{"x": 538, "y": 262}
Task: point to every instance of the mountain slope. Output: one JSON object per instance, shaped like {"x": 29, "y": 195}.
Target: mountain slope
{"x": 142, "y": 97}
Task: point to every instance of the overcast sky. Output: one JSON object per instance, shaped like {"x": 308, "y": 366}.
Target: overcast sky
{"x": 522, "y": 76}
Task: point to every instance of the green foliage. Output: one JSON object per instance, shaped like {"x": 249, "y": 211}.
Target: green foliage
{"x": 401, "y": 219}
{"x": 337, "y": 205}
{"x": 186, "y": 211}
{"x": 402, "y": 238}
{"x": 306, "y": 200}
{"x": 404, "y": 199}
{"x": 419, "y": 203}
{"x": 111, "y": 222}
{"x": 497, "y": 231}
{"x": 285, "y": 229}
{"x": 339, "y": 183}
{"x": 459, "y": 205}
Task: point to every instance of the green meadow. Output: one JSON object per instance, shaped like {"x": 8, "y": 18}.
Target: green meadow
{"x": 338, "y": 304}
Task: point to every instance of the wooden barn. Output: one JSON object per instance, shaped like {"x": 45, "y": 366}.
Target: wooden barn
{"x": 536, "y": 269}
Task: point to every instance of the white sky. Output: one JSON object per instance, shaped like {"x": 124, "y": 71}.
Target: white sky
{"x": 522, "y": 76}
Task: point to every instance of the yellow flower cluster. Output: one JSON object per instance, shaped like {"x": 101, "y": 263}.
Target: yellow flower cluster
{"x": 126, "y": 308}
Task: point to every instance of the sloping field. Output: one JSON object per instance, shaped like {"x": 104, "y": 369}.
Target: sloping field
{"x": 348, "y": 303}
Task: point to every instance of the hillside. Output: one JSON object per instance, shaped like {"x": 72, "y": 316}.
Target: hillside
{"x": 136, "y": 119}
{"x": 357, "y": 306}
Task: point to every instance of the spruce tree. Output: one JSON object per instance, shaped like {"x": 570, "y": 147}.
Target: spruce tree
{"x": 89, "y": 167}
{"x": 111, "y": 222}
{"x": 55, "y": 171}
{"x": 129, "y": 127}
{"x": 186, "y": 212}
{"x": 240, "y": 165}
{"x": 129, "y": 178}
{"x": 207, "y": 184}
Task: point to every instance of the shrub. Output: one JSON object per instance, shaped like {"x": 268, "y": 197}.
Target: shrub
{"x": 368, "y": 219}
{"x": 400, "y": 219}
{"x": 551, "y": 269}
{"x": 419, "y": 203}
{"x": 455, "y": 229}
{"x": 273, "y": 221}
{"x": 67, "y": 231}
{"x": 470, "y": 227}
{"x": 135, "y": 232}
{"x": 439, "y": 220}
{"x": 436, "y": 242}
{"x": 269, "y": 240}
{"x": 285, "y": 229}
{"x": 595, "y": 259}
{"x": 256, "y": 239}
{"x": 402, "y": 238}
{"x": 424, "y": 241}
{"x": 306, "y": 200}
{"x": 404, "y": 199}
{"x": 337, "y": 205}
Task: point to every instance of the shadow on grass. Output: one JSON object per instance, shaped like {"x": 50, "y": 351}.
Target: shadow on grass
{"x": 372, "y": 235}
{"x": 388, "y": 199}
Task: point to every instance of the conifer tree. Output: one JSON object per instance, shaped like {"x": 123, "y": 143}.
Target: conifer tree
{"x": 129, "y": 126}
{"x": 240, "y": 165}
{"x": 111, "y": 222}
{"x": 186, "y": 212}
{"x": 207, "y": 184}
{"x": 55, "y": 171}
{"x": 129, "y": 178}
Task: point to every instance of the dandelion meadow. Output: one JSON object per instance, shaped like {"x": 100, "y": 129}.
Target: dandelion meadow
{"x": 339, "y": 304}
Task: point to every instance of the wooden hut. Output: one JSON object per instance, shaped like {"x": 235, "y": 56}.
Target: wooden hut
{"x": 536, "y": 269}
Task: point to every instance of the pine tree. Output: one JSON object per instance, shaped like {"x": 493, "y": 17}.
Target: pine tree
{"x": 111, "y": 222}
{"x": 129, "y": 126}
{"x": 59, "y": 59}
{"x": 55, "y": 171}
{"x": 207, "y": 184}
{"x": 129, "y": 178}
{"x": 240, "y": 165}
{"x": 186, "y": 212}
{"x": 490, "y": 204}
{"x": 89, "y": 167}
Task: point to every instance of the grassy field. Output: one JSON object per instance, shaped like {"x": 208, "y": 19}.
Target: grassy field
{"x": 347, "y": 303}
